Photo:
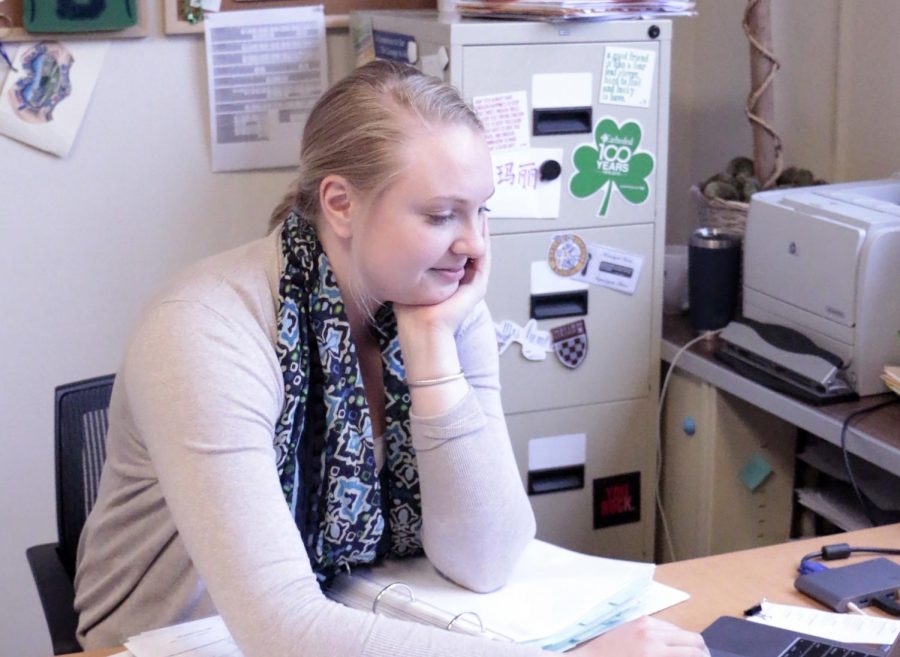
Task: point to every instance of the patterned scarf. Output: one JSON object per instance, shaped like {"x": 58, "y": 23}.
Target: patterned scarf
{"x": 323, "y": 440}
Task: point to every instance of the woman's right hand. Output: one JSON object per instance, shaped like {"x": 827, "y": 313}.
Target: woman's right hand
{"x": 645, "y": 637}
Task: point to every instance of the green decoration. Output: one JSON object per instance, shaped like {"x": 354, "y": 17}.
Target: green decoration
{"x": 614, "y": 163}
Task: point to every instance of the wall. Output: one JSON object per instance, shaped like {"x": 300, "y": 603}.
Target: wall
{"x": 711, "y": 81}
{"x": 88, "y": 239}
{"x": 85, "y": 242}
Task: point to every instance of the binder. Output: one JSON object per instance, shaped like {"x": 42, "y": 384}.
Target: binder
{"x": 555, "y": 599}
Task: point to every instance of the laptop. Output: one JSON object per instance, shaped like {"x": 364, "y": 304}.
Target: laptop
{"x": 735, "y": 637}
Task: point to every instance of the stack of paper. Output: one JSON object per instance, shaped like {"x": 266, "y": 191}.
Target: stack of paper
{"x": 566, "y": 10}
{"x": 891, "y": 377}
{"x": 555, "y": 598}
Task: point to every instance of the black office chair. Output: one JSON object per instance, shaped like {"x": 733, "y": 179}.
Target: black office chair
{"x": 80, "y": 428}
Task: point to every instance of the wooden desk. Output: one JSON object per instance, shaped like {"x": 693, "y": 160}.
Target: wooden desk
{"x": 727, "y": 584}
{"x": 875, "y": 438}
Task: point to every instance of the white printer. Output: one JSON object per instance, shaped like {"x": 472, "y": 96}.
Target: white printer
{"x": 825, "y": 261}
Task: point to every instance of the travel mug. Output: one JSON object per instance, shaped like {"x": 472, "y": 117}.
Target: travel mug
{"x": 714, "y": 272}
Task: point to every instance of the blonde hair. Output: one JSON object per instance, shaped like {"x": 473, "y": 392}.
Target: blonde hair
{"x": 357, "y": 127}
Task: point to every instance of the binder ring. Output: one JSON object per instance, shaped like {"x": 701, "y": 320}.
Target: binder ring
{"x": 409, "y": 591}
{"x": 466, "y": 613}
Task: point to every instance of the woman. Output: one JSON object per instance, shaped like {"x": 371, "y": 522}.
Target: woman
{"x": 321, "y": 398}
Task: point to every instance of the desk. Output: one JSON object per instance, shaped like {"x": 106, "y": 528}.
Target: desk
{"x": 875, "y": 438}
{"x": 726, "y": 584}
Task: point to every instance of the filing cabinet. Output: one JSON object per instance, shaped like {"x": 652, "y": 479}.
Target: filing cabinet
{"x": 564, "y": 82}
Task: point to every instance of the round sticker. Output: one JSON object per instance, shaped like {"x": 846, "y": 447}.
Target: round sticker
{"x": 568, "y": 254}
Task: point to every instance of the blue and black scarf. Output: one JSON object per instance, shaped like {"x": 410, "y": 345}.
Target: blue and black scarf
{"x": 346, "y": 514}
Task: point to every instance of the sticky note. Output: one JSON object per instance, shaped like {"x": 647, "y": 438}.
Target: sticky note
{"x": 755, "y": 472}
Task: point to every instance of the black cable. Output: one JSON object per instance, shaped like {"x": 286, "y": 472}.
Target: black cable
{"x": 849, "y": 418}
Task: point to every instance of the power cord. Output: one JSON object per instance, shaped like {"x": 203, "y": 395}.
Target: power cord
{"x": 659, "y": 449}
{"x": 846, "y": 454}
{"x": 836, "y": 551}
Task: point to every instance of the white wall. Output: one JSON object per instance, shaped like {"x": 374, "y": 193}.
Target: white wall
{"x": 85, "y": 242}
{"x": 711, "y": 81}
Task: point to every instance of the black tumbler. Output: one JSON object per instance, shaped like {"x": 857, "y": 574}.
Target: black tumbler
{"x": 714, "y": 271}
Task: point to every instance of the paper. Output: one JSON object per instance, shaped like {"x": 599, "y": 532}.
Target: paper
{"x": 557, "y": 451}
{"x": 43, "y": 102}
{"x": 431, "y": 65}
{"x": 612, "y": 268}
{"x": 519, "y": 192}
{"x": 755, "y": 472}
{"x": 535, "y": 343}
{"x": 505, "y": 119}
{"x": 549, "y": 588}
{"x": 549, "y": 90}
{"x": 545, "y": 281}
{"x": 266, "y": 68}
{"x": 202, "y": 638}
{"x": 627, "y": 76}
{"x": 847, "y": 628}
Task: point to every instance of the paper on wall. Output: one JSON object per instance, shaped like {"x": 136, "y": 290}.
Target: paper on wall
{"x": 519, "y": 193}
{"x": 505, "y": 119}
{"x": 627, "y": 76}
{"x": 43, "y": 102}
{"x": 266, "y": 68}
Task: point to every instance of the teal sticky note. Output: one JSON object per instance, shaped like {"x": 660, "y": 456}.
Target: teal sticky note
{"x": 755, "y": 472}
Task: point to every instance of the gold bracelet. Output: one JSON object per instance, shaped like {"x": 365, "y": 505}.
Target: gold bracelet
{"x": 422, "y": 383}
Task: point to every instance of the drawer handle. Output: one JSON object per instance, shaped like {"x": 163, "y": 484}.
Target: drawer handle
{"x": 559, "y": 304}
{"x": 561, "y": 121}
{"x": 554, "y": 480}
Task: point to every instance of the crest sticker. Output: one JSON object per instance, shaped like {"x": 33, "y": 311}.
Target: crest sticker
{"x": 568, "y": 254}
{"x": 570, "y": 343}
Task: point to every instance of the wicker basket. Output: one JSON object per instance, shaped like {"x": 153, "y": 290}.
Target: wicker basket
{"x": 719, "y": 213}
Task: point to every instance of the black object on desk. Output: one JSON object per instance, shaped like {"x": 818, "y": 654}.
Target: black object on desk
{"x": 714, "y": 267}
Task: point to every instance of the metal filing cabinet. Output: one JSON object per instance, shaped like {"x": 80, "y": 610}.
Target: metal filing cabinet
{"x": 592, "y": 484}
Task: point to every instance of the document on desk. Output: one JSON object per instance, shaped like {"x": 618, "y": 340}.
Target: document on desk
{"x": 207, "y": 637}
{"x": 266, "y": 68}
{"x": 847, "y": 628}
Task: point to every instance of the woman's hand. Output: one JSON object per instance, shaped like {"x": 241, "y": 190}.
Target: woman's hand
{"x": 645, "y": 637}
{"x": 446, "y": 316}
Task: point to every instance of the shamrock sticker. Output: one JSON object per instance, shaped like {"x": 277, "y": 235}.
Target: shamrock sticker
{"x": 613, "y": 163}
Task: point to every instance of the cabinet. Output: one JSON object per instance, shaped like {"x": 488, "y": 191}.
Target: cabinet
{"x": 600, "y": 496}
{"x": 715, "y": 448}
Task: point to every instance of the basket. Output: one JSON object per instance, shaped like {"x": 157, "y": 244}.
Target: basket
{"x": 719, "y": 213}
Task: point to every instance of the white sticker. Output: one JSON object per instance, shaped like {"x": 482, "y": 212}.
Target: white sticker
{"x": 505, "y": 119}
{"x": 211, "y": 5}
{"x": 627, "y": 76}
{"x": 546, "y": 281}
{"x": 557, "y": 451}
{"x": 431, "y": 65}
{"x": 535, "y": 342}
{"x": 550, "y": 90}
{"x": 519, "y": 192}
{"x": 612, "y": 268}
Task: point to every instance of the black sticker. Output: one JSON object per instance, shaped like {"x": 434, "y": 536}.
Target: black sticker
{"x": 617, "y": 500}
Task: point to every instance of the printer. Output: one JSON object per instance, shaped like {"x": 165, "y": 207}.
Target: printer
{"x": 825, "y": 262}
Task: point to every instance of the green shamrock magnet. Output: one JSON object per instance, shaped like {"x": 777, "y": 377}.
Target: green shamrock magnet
{"x": 614, "y": 163}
